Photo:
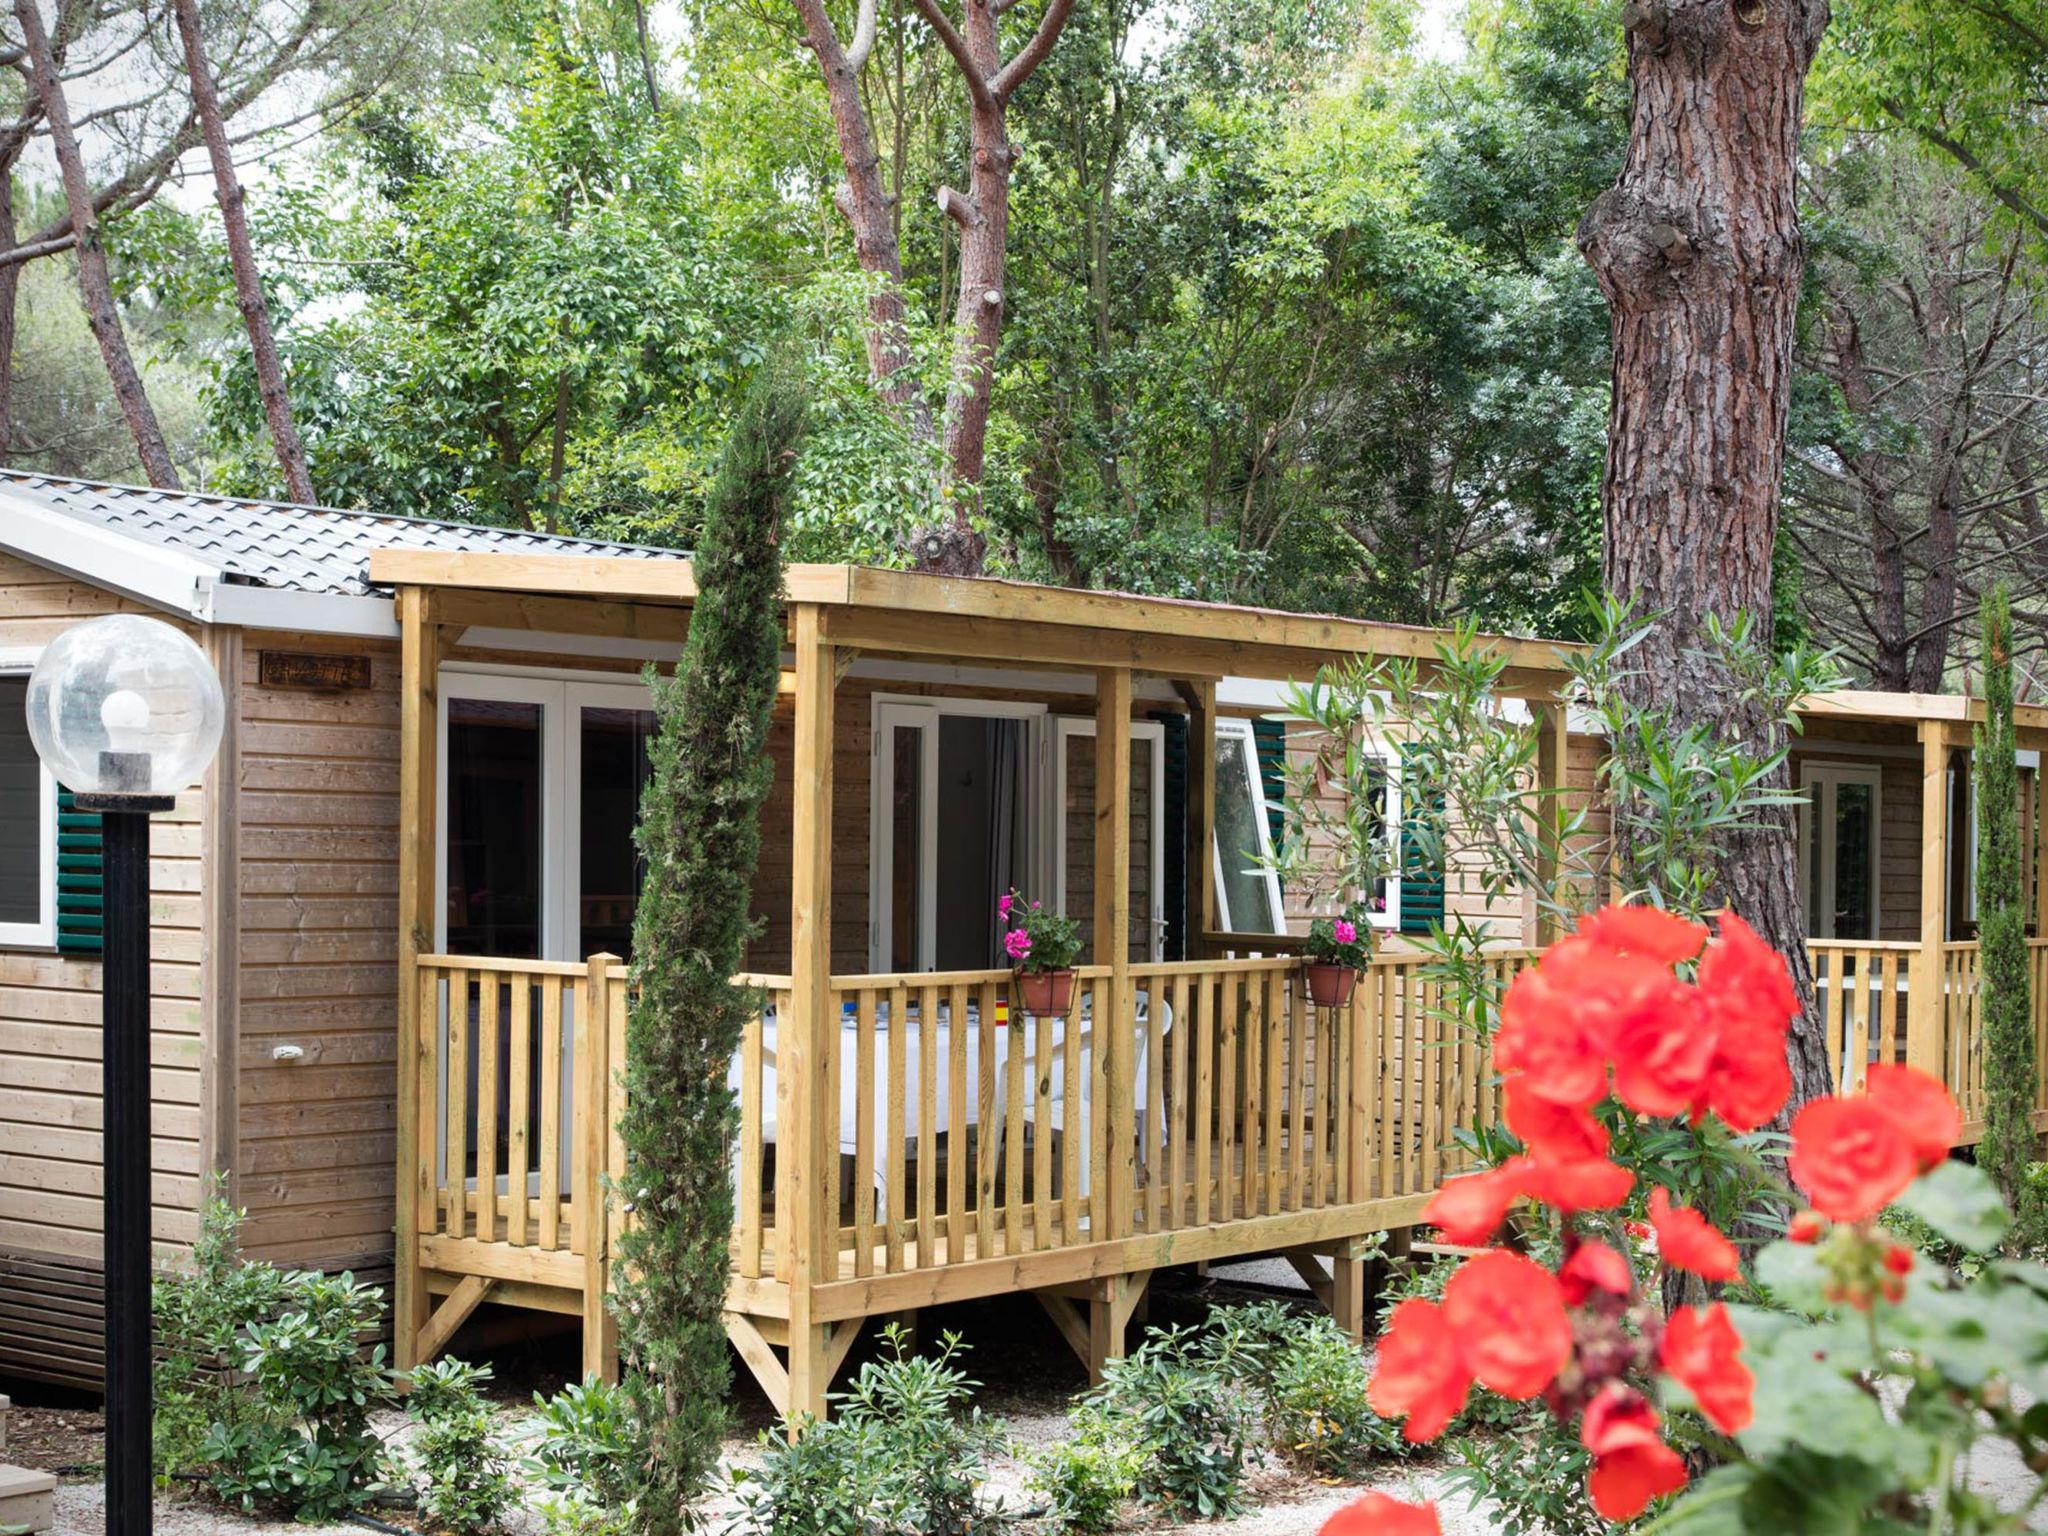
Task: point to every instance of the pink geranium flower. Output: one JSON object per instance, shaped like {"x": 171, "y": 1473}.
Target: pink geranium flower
{"x": 1003, "y": 906}
{"x": 1345, "y": 931}
{"x": 1017, "y": 943}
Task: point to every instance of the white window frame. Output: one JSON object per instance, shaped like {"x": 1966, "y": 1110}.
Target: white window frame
{"x": 1832, "y": 774}
{"x": 41, "y": 934}
{"x": 1239, "y": 732}
{"x": 1141, "y": 730}
{"x": 887, "y": 712}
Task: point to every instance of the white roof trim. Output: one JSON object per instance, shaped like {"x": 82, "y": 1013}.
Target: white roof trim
{"x": 323, "y": 613}
{"x": 177, "y": 582}
{"x": 149, "y": 573}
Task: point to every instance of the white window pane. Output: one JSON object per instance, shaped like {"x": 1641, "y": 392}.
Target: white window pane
{"x": 21, "y": 810}
{"x": 1246, "y": 888}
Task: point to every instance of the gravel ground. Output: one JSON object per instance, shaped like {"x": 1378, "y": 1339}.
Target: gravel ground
{"x": 1030, "y": 1377}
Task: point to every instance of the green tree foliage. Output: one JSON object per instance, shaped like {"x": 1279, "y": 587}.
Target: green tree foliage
{"x": 2006, "y": 1007}
{"x": 700, "y": 835}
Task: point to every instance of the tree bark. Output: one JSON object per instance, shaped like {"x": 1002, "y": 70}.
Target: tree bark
{"x": 1698, "y": 250}
{"x": 865, "y": 204}
{"x": 255, "y": 309}
{"x": 10, "y": 291}
{"x": 95, "y": 286}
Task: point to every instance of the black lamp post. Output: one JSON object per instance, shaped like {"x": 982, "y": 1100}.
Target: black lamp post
{"x": 125, "y": 712}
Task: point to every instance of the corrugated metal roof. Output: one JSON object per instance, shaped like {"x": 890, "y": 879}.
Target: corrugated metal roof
{"x": 280, "y": 544}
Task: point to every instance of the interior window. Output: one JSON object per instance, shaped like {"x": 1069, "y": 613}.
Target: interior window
{"x": 23, "y": 816}
{"x": 615, "y": 770}
{"x": 494, "y": 828}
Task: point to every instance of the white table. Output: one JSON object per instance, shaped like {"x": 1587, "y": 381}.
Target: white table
{"x": 1005, "y": 1036}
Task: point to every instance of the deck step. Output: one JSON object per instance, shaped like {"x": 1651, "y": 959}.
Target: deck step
{"x": 28, "y": 1500}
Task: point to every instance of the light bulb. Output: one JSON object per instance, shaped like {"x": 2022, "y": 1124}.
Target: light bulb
{"x": 124, "y": 710}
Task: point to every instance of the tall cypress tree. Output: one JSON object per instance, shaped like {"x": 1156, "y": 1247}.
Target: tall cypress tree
{"x": 2004, "y": 1004}
{"x": 700, "y": 834}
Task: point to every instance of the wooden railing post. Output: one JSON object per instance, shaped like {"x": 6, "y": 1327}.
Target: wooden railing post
{"x": 1115, "y": 1024}
{"x": 1926, "y": 1000}
{"x": 419, "y": 682}
{"x": 1552, "y": 764}
{"x": 1201, "y": 820}
{"x": 595, "y": 1135}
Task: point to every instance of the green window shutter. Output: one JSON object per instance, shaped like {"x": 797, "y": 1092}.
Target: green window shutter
{"x": 1174, "y": 898}
{"x": 1269, "y": 738}
{"x": 79, "y": 883}
{"x": 1422, "y": 889}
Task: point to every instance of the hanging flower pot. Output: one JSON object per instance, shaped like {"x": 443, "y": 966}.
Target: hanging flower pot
{"x": 1329, "y": 986}
{"x": 1046, "y": 994}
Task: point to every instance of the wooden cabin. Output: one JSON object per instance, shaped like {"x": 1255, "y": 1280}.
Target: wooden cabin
{"x": 394, "y": 927}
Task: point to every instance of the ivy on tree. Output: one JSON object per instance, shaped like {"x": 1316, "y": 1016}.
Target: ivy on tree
{"x": 2006, "y": 1003}
{"x": 700, "y": 835}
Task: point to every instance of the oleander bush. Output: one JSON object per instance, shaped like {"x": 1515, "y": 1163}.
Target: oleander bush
{"x": 458, "y": 1459}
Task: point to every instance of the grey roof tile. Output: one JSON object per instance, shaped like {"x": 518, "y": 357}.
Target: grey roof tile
{"x": 279, "y": 544}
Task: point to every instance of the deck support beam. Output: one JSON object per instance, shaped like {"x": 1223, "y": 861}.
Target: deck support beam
{"x": 1094, "y": 1316}
{"x": 815, "y": 1353}
{"x": 421, "y": 643}
{"x": 1926, "y": 1006}
{"x": 810, "y": 1176}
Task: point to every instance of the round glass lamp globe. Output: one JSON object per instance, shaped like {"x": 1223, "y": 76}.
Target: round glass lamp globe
{"x": 124, "y": 706}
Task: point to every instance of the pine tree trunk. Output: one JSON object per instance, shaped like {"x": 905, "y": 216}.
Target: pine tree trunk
{"x": 1698, "y": 250}
{"x": 95, "y": 286}
{"x": 10, "y": 292}
{"x": 255, "y": 310}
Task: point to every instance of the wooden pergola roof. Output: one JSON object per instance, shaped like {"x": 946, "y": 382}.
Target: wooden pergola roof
{"x": 903, "y": 612}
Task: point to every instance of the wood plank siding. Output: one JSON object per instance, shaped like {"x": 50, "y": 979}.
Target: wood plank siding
{"x": 50, "y": 1289}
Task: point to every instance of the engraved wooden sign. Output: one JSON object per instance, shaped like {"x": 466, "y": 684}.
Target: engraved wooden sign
{"x": 314, "y": 672}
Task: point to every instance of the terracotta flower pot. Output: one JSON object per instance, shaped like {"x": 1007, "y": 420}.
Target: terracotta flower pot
{"x": 1329, "y": 986}
{"x": 1045, "y": 993}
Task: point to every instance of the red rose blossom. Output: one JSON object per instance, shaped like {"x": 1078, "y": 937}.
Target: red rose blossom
{"x": 1592, "y": 1267}
{"x": 1585, "y": 1184}
{"x": 1420, "y": 1371}
{"x": 1467, "y": 1210}
{"x": 1687, "y": 1240}
{"x": 1378, "y": 1515}
{"x": 1699, "y": 1351}
{"x": 1750, "y": 1078}
{"x": 1850, "y": 1157}
{"x": 1631, "y": 1463}
{"x": 1920, "y": 1105}
{"x": 1663, "y": 1052}
{"x": 1647, "y": 931}
{"x": 1553, "y": 1131}
{"x": 1744, "y": 980}
{"x": 1507, "y": 1314}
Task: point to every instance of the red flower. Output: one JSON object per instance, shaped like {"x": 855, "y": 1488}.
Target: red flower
{"x": 1899, "y": 1259}
{"x": 1468, "y": 1210}
{"x": 1744, "y": 980}
{"x": 1631, "y": 1463}
{"x": 1699, "y": 1351}
{"x": 1687, "y": 1240}
{"x": 1553, "y": 1131}
{"x": 1806, "y": 1227}
{"x": 1584, "y": 1184}
{"x": 1378, "y": 1515}
{"x": 1662, "y": 1054}
{"x": 1548, "y": 1034}
{"x": 1647, "y": 931}
{"x": 1507, "y": 1314}
{"x": 1921, "y": 1107}
{"x": 1594, "y": 1266}
{"x": 1420, "y": 1371}
{"x": 1850, "y": 1157}
{"x": 1750, "y": 1079}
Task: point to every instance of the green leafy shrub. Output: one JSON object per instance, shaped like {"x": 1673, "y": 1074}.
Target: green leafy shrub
{"x": 1183, "y": 1416}
{"x": 460, "y": 1464}
{"x": 590, "y": 1443}
{"x": 1534, "y": 1472}
{"x": 904, "y": 1452}
{"x": 302, "y": 1435}
{"x": 1309, "y": 1380}
{"x": 199, "y": 1313}
{"x": 1084, "y": 1480}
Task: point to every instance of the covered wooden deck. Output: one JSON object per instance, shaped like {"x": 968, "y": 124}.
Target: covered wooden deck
{"x": 910, "y": 1139}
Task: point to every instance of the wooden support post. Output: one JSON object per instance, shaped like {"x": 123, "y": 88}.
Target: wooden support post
{"x": 1926, "y": 1004}
{"x": 418, "y": 840}
{"x": 1553, "y": 749}
{"x": 1115, "y": 1016}
{"x": 592, "y": 1154}
{"x": 1094, "y": 1315}
{"x": 803, "y": 1041}
{"x": 1201, "y": 816}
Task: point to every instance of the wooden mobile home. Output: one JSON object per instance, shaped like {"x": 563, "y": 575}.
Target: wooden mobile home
{"x": 394, "y": 927}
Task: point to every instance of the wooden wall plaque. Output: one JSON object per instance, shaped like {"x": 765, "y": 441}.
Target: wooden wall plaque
{"x": 314, "y": 672}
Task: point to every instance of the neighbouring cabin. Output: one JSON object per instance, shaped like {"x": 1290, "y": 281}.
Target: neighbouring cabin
{"x": 416, "y": 851}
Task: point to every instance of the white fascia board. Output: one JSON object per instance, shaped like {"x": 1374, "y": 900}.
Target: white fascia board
{"x": 313, "y": 613}
{"x": 149, "y": 573}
